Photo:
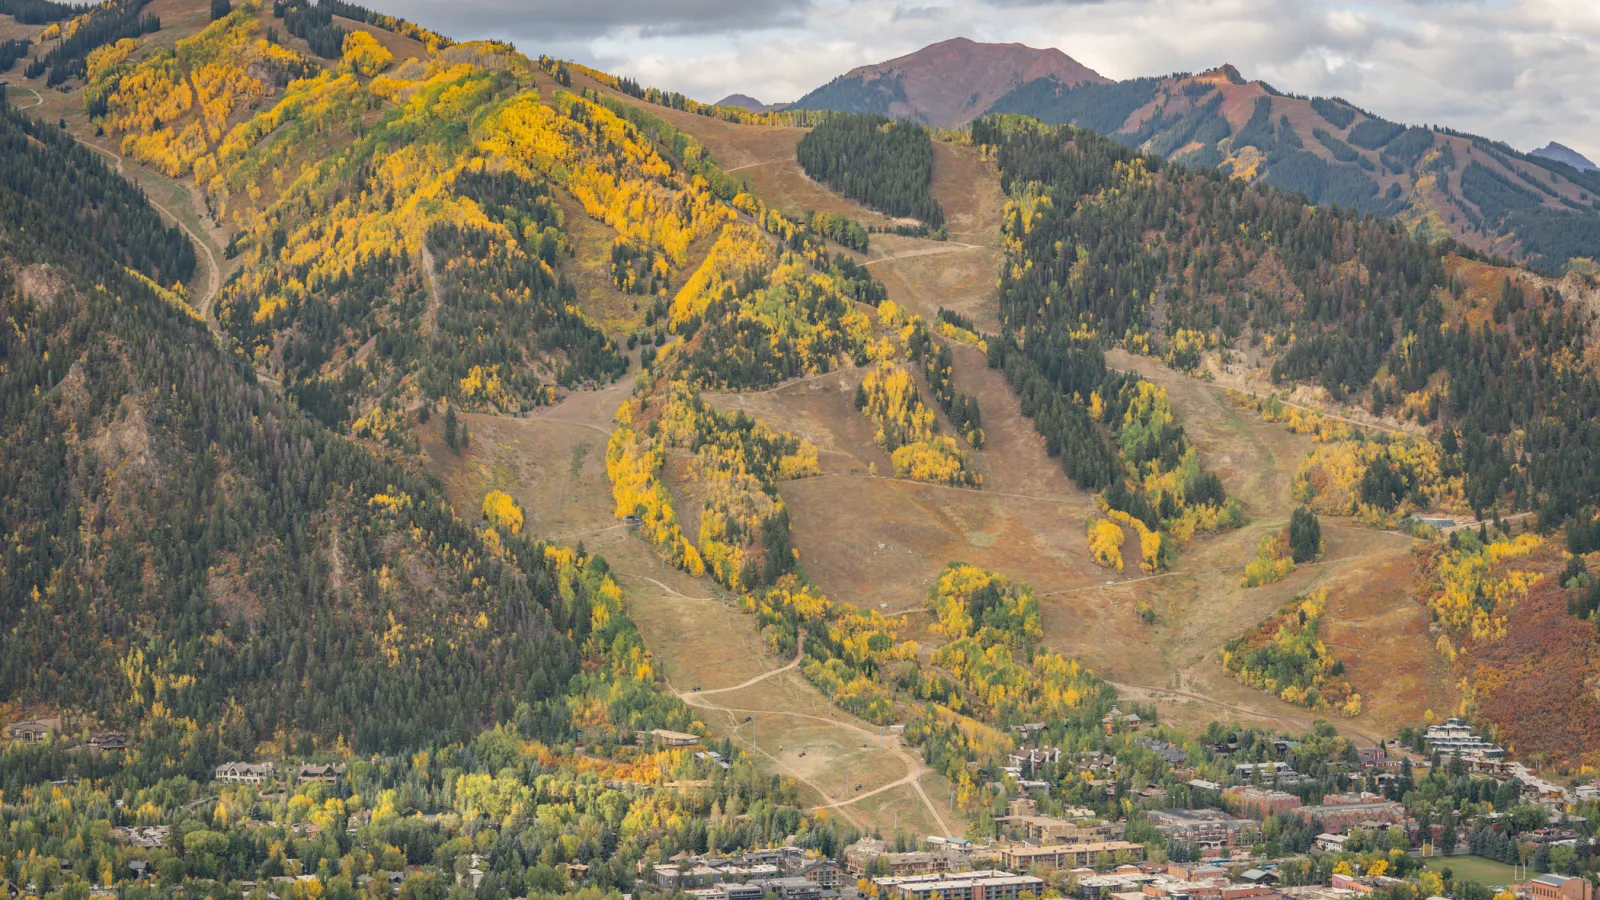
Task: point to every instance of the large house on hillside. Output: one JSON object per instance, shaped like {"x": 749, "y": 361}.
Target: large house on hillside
{"x": 243, "y": 772}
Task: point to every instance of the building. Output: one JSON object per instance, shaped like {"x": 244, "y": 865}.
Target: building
{"x": 109, "y": 741}
{"x": 1455, "y": 736}
{"x": 1117, "y": 717}
{"x": 1097, "y": 887}
{"x": 1331, "y": 843}
{"x": 1268, "y": 771}
{"x": 324, "y": 774}
{"x": 243, "y": 772}
{"x": 731, "y": 891}
{"x": 29, "y": 732}
{"x": 1022, "y": 858}
{"x": 1339, "y": 813}
{"x": 664, "y": 738}
{"x": 1205, "y": 828}
{"x": 1076, "y": 825}
{"x": 870, "y": 854}
{"x": 1560, "y": 887}
{"x": 825, "y": 873}
{"x": 979, "y": 885}
{"x": 1258, "y": 803}
{"x": 1172, "y": 753}
{"x": 791, "y": 888}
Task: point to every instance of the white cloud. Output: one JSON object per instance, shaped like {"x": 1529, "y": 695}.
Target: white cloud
{"x": 1521, "y": 71}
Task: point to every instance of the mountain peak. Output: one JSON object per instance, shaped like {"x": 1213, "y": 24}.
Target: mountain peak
{"x": 1563, "y": 153}
{"x": 948, "y": 83}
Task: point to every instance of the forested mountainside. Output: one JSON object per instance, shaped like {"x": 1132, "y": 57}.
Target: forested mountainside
{"x": 230, "y": 571}
{"x": 1440, "y": 182}
{"x": 1126, "y": 244}
{"x": 945, "y": 84}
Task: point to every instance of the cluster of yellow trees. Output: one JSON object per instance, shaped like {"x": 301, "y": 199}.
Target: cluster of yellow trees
{"x": 1154, "y": 554}
{"x": 1284, "y": 656}
{"x": 364, "y": 54}
{"x": 993, "y": 624}
{"x": 907, "y": 428}
{"x": 173, "y": 106}
{"x": 1272, "y": 561}
{"x": 740, "y": 250}
{"x": 501, "y": 510}
{"x": 612, "y": 170}
{"x": 633, "y": 463}
{"x": 1471, "y": 592}
{"x": 1105, "y": 543}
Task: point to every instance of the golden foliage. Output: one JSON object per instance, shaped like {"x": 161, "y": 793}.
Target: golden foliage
{"x": 1471, "y": 592}
{"x": 502, "y": 511}
{"x": 907, "y": 429}
{"x": 1272, "y": 561}
{"x": 1105, "y": 543}
{"x": 364, "y": 54}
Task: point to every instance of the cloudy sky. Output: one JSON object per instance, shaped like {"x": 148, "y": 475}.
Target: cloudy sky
{"x": 1522, "y": 71}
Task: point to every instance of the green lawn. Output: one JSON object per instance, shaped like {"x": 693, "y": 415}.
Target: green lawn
{"x": 1475, "y": 868}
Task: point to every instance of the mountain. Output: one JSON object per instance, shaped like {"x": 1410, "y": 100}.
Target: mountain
{"x": 1563, "y": 153}
{"x": 1440, "y": 182}
{"x": 946, "y": 84}
{"x": 745, "y": 101}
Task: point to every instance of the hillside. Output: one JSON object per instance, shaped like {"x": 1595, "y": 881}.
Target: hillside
{"x": 219, "y": 557}
{"x": 457, "y": 414}
{"x": 1441, "y": 183}
{"x": 945, "y": 84}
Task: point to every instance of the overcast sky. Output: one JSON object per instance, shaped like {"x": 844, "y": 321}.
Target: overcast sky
{"x": 1522, "y": 71}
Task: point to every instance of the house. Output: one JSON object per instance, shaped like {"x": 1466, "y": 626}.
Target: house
{"x": 146, "y": 837}
{"x": 978, "y": 885}
{"x": 1116, "y": 717}
{"x": 29, "y": 732}
{"x": 1331, "y": 843}
{"x": 109, "y": 741}
{"x": 1171, "y": 753}
{"x": 1559, "y": 887}
{"x": 1260, "y": 876}
{"x": 324, "y": 774}
{"x": 244, "y": 773}
{"x": 1266, "y": 770}
{"x": 661, "y": 737}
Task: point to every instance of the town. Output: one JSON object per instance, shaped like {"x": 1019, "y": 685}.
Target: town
{"x": 1438, "y": 811}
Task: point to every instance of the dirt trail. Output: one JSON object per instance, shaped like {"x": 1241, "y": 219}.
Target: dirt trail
{"x": 430, "y": 318}
{"x": 38, "y": 98}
